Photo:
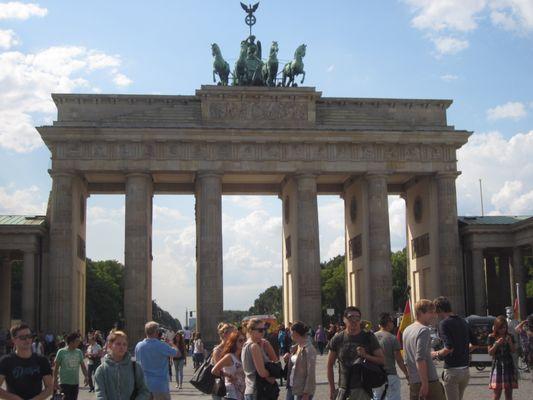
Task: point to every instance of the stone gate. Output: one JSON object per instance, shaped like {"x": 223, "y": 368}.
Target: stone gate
{"x": 290, "y": 142}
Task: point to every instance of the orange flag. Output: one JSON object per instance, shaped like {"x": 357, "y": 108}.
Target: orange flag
{"x": 407, "y": 320}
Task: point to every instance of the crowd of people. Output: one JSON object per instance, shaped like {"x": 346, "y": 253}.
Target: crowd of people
{"x": 249, "y": 361}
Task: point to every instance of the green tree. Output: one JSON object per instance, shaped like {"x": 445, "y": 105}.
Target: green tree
{"x": 105, "y": 294}
{"x": 399, "y": 278}
{"x": 234, "y": 316}
{"x": 269, "y": 302}
{"x": 333, "y": 286}
{"x": 164, "y": 318}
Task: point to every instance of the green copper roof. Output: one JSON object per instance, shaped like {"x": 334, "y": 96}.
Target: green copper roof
{"x": 494, "y": 219}
{"x": 35, "y": 220}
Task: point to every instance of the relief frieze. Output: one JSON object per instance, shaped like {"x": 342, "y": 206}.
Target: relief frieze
{"x": 229, "y": 151}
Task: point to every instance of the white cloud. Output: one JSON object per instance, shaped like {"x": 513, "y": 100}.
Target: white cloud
{"x": 449, "y": 77}
{"x": 397, "y": 222}
{"x": 438, "y": 15}
{"x": 513, "y": 197}
{"x": 21, "y": 11}
{"x": 506, "y": 169}
{"x": 122, "y": 80}
{"x": 26, "y": 201}
{"x": 27, "y": 80}
{"x": 449, "y": 45}
{"x": 464, "y": 16}
{"x": 512, "y": 15}
{"x": 513, "y": 110}
{"x": 8, "y": 39}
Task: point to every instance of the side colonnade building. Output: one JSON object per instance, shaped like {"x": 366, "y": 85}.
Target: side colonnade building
{"x": 289, "y": 142}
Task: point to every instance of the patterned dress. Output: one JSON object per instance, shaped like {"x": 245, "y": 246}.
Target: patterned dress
{"x": 503, "y": 374}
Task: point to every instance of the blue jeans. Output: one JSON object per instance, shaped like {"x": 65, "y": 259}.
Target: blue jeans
{"x": 393, "y": 390}
{"x": 178, "y": 366}
{"x": 250, "y": 397}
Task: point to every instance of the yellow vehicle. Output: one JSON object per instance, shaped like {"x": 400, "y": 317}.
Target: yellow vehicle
{"x": 270, "y": 321}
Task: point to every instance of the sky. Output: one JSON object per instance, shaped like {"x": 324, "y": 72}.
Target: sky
{"x": 479, "y": 53}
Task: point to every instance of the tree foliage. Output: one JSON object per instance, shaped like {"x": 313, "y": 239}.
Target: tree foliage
{"x": 269, "y": 302}
{"x": 105, "y": 298}
{"x": 399, "y": 278}
{"x": 105, "y": 294}
{"x": 333, "y": 286}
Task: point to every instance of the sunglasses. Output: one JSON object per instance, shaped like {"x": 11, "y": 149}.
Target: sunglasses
{"x": 353, "y": 317}
{"x": 24, "y": 337}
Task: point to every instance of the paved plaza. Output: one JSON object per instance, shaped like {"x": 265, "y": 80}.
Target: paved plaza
{"x": 477, "y": 388}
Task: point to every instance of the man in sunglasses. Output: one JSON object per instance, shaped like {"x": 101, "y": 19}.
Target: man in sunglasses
{"x": 349, "y": 347}
{"x": 23, "y": 371}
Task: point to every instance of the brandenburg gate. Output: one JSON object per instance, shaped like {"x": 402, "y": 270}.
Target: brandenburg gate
{"x": 286, "y": 141}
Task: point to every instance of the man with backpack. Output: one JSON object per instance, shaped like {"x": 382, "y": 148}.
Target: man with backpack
{"x": 352, "y": 347}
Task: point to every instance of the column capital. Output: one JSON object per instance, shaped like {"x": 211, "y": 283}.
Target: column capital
{"x": 141, "y": 174}
{"x": 447, "y": 174}
{"x": 306, "y": 174}
{"x": 376, "y": 175}
{"x": 207, "y": 174}
{"x": 63, "y": 173}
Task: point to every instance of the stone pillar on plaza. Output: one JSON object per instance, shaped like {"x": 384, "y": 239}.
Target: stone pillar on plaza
{"x": 5, "y": 293}
{"x": 65, "y": 292}
{"x": 449, "y": 263}
{"x": 517, "y": 276}
{"x": 379, "y": 246}
{"x": 29, "y": 289}
{"x": 356, "y": 244}
{"x": 209, "y": 274}
{"x": 138, "y": 255}
{"x": 480, "y": 282}
{"x": 301, "y": 251}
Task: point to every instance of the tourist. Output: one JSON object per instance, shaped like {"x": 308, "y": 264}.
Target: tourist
{"x": 198, "y": 350}
{"x": 230, "y": 365}
{"x": 152, "y": 355}
{"x": 254, "y": 358}
{"x": 36, "y": 370}
{"x": 423, "y": 378}
{"x": 118, "y": 377}
{"x": 94, "y": 354}
{"x": 49, "y": 343}
{"x": 282, "y": 340}
{"x": 456, "y": 337}
{"x": 320, "y": 339}
{"x": 37, "y": 346}
{"x": 301, "y": 365}
{"x": 512, "y": 323}
{"x": 224, "y": 330}
{"x": 501, "y": 348}
{"x": 391, "y": 350}
{"x": 180, "y": 359}
{"x": 348, "y": 346}
{"x": 68, "y": 362}
{"x": 525, "y": 332}
{"x": 187, "y": 338}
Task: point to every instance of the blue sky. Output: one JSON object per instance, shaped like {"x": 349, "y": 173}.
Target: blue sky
{"x": 477, "y": 52}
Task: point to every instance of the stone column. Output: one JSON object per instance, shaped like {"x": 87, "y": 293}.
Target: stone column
{"x": 379, "y": 247}
{"x": 67, "y": 253}
{"x": 504, "y": 275}
{"x": 517, "y": 276}
{"x": 5, "y": 293}
{"x": 308, "y": 250}
{"x": 450, "y": 266}
{"x": 138, "y": 255}
{"x": 209, "y": 282}
{"x": 28, "y": 289}
{"x": 480, "y": 282}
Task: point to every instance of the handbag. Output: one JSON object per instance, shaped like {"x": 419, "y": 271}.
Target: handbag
{"x": 203, "y": 379}
{"x": 219, "y": 387}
